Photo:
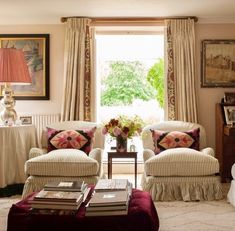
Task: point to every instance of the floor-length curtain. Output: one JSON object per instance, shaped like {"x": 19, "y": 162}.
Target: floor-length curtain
{"x": 180, "y": 70}
{"x": 76, "y": 104}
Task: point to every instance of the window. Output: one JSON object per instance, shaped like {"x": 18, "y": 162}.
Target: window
{"x": 124, "y": 59}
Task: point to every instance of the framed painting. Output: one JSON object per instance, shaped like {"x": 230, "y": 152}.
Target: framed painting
{"x": 229, "y": 97}
{"x": 218, "y": 63}
{"x": 26, "y": 120}
{"x": 36, "y": 51}
{"x": 229, "y": 112}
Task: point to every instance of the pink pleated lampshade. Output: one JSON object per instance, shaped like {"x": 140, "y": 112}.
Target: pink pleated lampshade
{"x": 13, "y": 67}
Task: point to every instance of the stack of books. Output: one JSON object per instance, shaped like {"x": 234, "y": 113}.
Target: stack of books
{"x": 111, "y": 197}
{"x": 60, "y": 196}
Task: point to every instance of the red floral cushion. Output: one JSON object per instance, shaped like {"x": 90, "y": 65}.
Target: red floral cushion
{"x": 75, "y": 139}
{"x": 175, "y": 139}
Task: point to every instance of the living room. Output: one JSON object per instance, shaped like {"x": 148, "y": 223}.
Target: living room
{"x": 215, "y": 22}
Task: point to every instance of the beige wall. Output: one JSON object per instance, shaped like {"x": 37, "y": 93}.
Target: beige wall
{"x": 56, "y": 67}
{"x": 208, "y": 97}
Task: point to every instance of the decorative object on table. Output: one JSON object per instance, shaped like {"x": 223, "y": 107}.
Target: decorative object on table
{"x": 122, "y": 128}
{"x": 13, "y": 70}
{"x": 229, "y": 112}
{"x": 217, "y": 63}
{"x": 26, "y": 119}
{"x": 121, "y": 143}
{"x": 132, "y": 146}
{"x": 229, "y": 97}
{"x": 36, "y": 49}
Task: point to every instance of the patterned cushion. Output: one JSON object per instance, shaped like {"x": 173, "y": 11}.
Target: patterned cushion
{"x": 165, "y": 140}
{"x": 64, "y": 139}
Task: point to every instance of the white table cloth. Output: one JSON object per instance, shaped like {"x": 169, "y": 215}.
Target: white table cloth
{"x": 15, "y": 143}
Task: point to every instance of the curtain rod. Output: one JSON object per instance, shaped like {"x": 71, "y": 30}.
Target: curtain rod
{"x": 128, "y": 20}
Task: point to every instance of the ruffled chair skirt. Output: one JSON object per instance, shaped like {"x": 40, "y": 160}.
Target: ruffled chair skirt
{"x": 183, "y": 188}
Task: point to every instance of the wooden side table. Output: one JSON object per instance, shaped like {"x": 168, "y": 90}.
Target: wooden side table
{"x": 112, "y": 155}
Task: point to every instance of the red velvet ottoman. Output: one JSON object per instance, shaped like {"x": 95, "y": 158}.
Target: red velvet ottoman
{"x": 142, "y": 216}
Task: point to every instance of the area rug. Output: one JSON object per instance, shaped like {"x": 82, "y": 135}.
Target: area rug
{"x": 197, "y": 216}
{"x": 173, "y": 216}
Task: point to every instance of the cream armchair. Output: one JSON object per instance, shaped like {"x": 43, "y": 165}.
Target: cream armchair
{"x": 180, "y": 173}
{"x": 64, "y": 164}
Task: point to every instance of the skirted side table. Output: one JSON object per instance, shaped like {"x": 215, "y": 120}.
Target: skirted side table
{"x": 15, "y": 143}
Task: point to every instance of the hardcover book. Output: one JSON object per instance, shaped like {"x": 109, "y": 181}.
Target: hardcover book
{"x": 106, "y": 208}
{"x": 111, "y": 184}
{"x": 67, "y": 186}
{"x": 109, "y": 198}
{"x": 56, "y": 206}
{"x": 106, "y": 213}
{"x": 60, "y": 196}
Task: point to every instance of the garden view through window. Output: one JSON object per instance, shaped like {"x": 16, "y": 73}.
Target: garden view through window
{"x": 130, "y": 73}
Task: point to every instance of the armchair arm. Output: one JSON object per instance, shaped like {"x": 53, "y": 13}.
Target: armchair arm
{"x": 147, "y": 153}
{"x": 97, "y": 154}
{"x": 34, "y": 152}
{"x": 208, "y": 151}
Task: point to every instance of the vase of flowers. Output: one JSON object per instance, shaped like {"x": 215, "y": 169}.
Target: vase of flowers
{"x": 121, "y": 144}
{"x": 122, "y": 128}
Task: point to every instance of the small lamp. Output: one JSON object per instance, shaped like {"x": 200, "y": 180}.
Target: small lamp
{"x": 13, "y": 70}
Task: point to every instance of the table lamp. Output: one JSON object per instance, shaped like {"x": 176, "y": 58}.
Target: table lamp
{"x": 13, "y": 70}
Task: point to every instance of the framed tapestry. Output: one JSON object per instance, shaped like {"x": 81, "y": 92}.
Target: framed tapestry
{"x": 36, "y": 51}
{"x": 218, "y": 63}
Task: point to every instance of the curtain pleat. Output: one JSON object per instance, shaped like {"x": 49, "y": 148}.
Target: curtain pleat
{"x": 76, "y": 96}
{"x": 180, "y": 50}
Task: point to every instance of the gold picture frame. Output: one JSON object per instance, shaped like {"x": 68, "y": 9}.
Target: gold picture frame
{"x": 36, "y": 51}
{"x": 218, "y": 63}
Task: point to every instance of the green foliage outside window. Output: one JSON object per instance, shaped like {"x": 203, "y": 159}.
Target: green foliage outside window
{"x": 126, "y": 82}
{"x": 156, "y": 79}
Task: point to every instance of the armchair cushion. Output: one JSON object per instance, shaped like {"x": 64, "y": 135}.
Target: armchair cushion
{"x": 75, "y": 139}
{"x": 181, "y": 162}
{"x": 164, "y": 140}
{"x": 62, "y": 162}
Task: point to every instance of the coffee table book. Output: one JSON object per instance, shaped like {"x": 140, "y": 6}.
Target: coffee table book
{"x": 111, "y": 185}
{"x": 106, "y": 208}
{"x": 59, "y": 206}
{"x": 109, "y": 198}
{"x": 106, "y": 213}
{"x": 67, "y": 186}
{"x": 58, "y": 196}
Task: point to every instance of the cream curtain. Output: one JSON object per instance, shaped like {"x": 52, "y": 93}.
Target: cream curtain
{"x": 180, "y": 68}
{"x": 76, "y": 103}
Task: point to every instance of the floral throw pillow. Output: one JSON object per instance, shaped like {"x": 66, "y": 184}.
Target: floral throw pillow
{"x": 165, "y": 140}
{"x": 74, "y": 139}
